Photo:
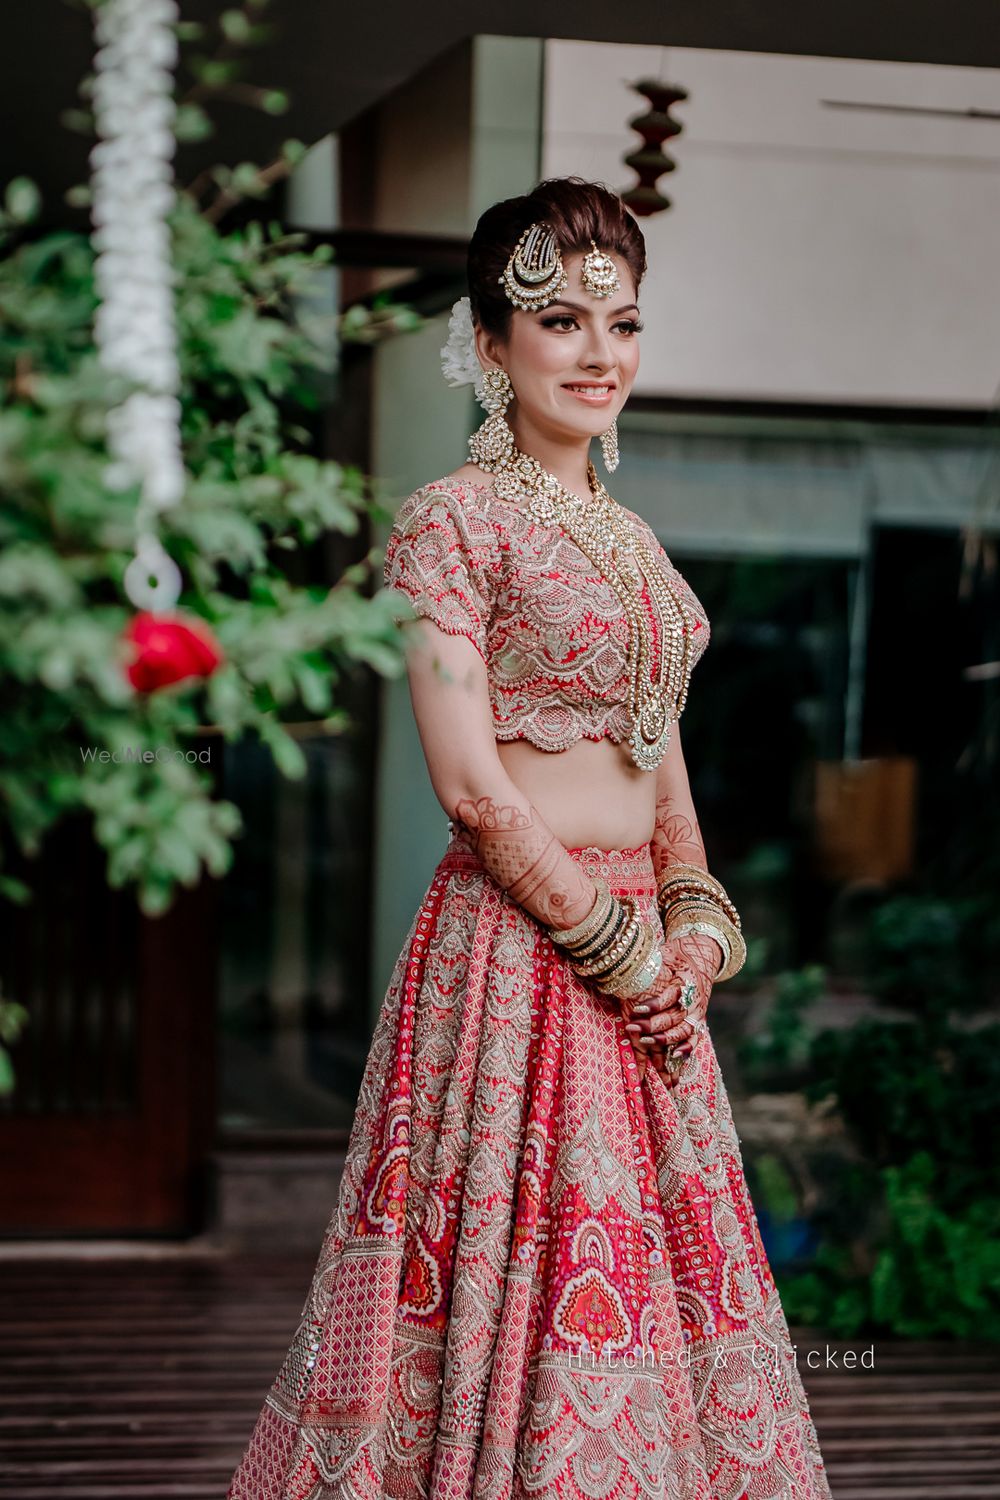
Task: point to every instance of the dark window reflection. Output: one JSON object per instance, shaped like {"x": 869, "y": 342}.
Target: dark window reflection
{"x": 294, "y": 1015}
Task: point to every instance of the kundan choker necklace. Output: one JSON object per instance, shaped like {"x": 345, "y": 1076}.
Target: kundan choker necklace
{"x": 602, "y": 530}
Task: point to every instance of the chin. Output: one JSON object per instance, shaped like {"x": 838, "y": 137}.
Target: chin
{"x": 589, "y": 424}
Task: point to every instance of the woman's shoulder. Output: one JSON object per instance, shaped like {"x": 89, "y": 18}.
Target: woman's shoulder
{"x": 460, "y": 491}
{"x": 463, "y": 498}
{"x": 451, "y": 515}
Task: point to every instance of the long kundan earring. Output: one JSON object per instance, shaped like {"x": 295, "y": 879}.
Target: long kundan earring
{"x": 493, "y": 441}
{"x": 609, "y": 447}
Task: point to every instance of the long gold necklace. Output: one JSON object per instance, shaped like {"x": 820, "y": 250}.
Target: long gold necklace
{"x": 602, "y": 531}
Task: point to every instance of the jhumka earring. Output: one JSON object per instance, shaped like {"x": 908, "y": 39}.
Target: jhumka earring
{"x": 609, "y": 447}
{"x": 534, "y": 276}
{"x": 493, "y": 441}
{"x": 599, "y": 273}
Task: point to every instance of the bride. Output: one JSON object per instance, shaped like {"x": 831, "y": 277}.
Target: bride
{"x": 544, "y": 1274}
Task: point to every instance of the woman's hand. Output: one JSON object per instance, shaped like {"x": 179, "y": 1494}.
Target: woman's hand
{"x": 656, "y": 1021}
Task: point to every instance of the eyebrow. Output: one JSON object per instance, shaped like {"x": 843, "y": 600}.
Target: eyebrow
{"x": 578, "y": 307}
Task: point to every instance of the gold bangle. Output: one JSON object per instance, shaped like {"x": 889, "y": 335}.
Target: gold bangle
{"x": 708, "y": 918}
{"x": 605, "y": 937}
{"x": 635, "y": 958}
{"x": 700, "y": 891}
{"x": 708, "y": 927}
{"x": 684, "y": 879}
{"x": 604, "y": 963}
{"x": 567, "y": 937}
{"x": 645, "y": 976}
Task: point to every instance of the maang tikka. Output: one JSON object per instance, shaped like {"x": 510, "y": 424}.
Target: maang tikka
{"x": 599, "y": 273}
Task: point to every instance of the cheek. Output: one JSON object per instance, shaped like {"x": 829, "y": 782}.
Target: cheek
{"x": 548, "y": 357}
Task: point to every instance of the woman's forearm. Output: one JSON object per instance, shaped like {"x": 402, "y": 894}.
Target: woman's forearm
{"x": 676, "y": 835}
{"x": 676, "y": 839}
{"x": 524, "y": 857}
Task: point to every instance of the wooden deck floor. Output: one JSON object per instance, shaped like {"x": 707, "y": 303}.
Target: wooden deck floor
{"x": 142, "y": 1380}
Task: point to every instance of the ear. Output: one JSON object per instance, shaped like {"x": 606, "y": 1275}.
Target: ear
{"x": 489, "y": 349}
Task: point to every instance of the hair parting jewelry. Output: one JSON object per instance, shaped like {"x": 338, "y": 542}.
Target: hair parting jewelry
{"x": 534, "y": 275}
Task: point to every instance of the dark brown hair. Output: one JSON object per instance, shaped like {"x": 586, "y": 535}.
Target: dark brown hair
{"x": 578, "y": 211}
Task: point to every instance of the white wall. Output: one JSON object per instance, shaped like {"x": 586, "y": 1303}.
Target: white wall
{"x": 811, "y": 254}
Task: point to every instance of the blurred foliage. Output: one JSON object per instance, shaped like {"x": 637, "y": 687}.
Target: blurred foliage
{"x": 774, "y": 1056}
{"x": 255, "y": 366}
{"x": 917, "y": 952}
{"x": 910, "y": 1212}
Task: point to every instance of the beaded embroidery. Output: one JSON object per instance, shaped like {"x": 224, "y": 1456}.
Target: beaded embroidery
{"x": 549, "y": 627}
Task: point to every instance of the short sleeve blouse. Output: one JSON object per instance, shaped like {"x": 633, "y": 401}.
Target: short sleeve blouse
{"x": 549, "y": 626}
{"x": 442, "y": 554}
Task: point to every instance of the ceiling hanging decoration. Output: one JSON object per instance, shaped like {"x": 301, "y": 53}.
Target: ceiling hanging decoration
{"x": 655, "y": 125}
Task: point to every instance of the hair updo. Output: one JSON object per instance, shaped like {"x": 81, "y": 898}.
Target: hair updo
{"x": 578, "y": 212}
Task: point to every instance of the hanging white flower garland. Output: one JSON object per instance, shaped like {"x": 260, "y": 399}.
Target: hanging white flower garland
{"x": 132, "y": 183}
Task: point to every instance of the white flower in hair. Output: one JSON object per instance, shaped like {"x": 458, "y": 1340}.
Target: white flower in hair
{"x": 459, "y": 360}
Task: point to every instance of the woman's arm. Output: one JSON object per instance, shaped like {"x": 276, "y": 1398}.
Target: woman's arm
{"x": 449, "y": 690}
{"x": 676, "y": 836}
{"x": 677, "y": 839}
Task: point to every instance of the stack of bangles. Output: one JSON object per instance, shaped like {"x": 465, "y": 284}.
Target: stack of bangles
{"x": 619, "y": 952}
{"x": 691, "y": 900}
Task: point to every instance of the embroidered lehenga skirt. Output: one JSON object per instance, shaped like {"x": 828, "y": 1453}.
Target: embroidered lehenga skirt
{"x": 543, "y": 1276}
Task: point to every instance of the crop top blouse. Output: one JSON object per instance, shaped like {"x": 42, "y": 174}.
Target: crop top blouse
{"x": 548, "y": 625}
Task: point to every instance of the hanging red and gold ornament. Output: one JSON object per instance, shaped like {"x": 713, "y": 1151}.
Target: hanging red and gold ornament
{"x": 655, "y": 125}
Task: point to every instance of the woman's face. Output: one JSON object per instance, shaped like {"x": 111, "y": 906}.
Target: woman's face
{"x": 573, "y": 364}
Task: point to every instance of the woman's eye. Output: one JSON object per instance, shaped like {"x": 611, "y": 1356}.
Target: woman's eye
{"x": 629, "y": 325}
{"x": 563, "y": 320}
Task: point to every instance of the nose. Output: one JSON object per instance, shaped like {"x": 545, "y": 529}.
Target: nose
{"x": 598, "y": 354}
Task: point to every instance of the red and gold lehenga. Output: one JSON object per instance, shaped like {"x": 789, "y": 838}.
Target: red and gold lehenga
{"x": 543, "y": 1275}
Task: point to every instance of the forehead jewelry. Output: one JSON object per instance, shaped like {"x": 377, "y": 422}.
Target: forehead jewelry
{"x": 534, "y": 275}
{"x": 599, "y": 274}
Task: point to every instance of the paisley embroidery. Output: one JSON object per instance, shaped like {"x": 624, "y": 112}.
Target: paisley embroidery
{"x": 577, "y": 1303}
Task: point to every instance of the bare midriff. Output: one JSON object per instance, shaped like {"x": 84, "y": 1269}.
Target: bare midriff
{"x": 590, "y": 794}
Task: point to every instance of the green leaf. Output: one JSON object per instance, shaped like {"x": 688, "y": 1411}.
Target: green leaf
{"x": 192, "y": 123}
{"x": 235, "y": 26}
{"x": 22, "y": 200}
{"x": 79, "y": 121}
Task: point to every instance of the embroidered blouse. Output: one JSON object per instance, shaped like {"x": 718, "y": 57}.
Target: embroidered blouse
{"x": 549, "y": 627}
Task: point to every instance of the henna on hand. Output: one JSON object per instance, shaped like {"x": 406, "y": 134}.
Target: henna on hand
{"x": 676, "y": 838}
{"x": 525, "y": 858}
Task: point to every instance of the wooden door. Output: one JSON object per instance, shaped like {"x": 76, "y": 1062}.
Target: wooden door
{"x": 111, "y": 1121}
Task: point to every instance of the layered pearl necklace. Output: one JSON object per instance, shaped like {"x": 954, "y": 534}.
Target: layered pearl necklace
{"x": 603, "y": 532}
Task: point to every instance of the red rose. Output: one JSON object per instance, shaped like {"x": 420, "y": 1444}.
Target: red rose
{"x": 168, "y": 650}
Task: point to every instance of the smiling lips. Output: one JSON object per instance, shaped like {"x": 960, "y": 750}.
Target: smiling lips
{"x": 594, "y": 393}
